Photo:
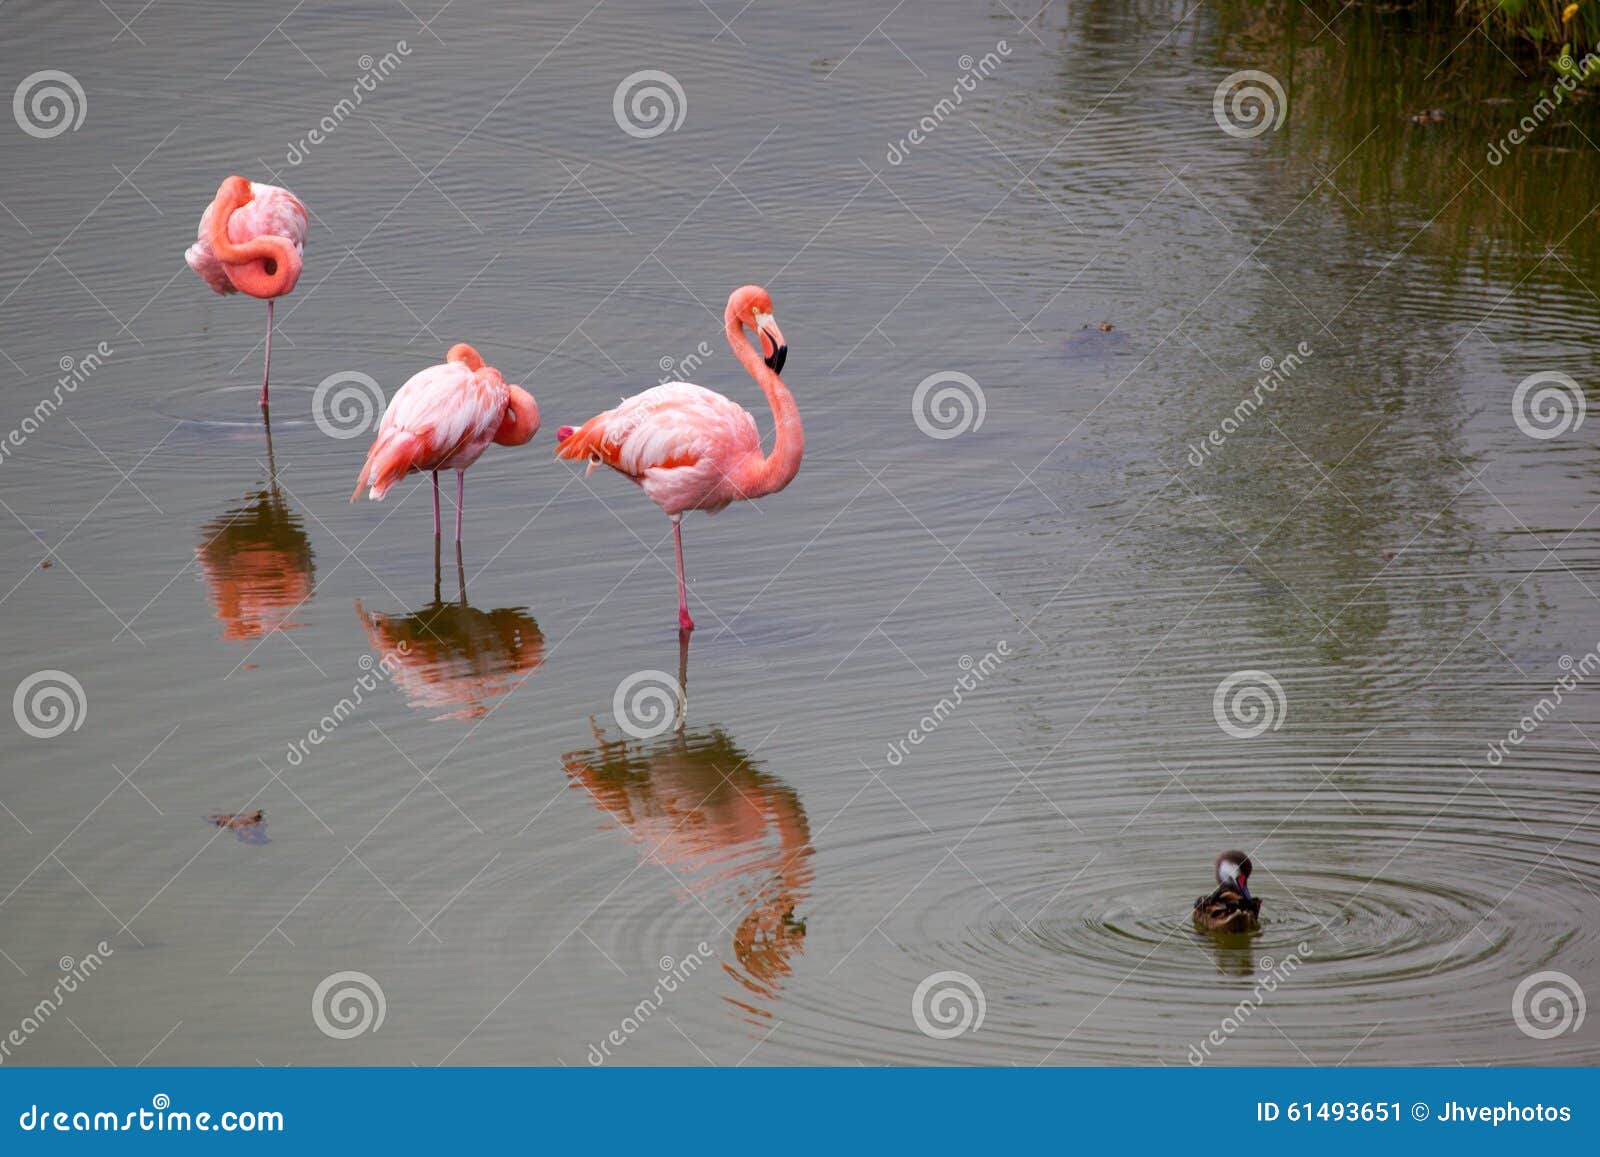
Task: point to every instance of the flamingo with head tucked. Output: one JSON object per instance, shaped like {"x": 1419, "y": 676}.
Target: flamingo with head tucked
{"x": 690, "y": 448}
{"x": 251, "y": 240}
{"x": 444, "y": 418}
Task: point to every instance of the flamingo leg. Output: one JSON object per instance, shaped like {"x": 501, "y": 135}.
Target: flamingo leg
{"x": 461, "y": 493}
{"x": 266, "y": 371}
{"x": 685, "y": 623}
{"x": 435, "y": 504}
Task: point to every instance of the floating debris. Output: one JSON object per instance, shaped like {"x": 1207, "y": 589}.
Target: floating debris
{"x": 250, "y": 827}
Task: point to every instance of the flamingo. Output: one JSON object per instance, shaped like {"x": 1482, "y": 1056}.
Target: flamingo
{"x": 443, "y": 418}
{"x": 251, "y": 238}
{"x": 690, "y": 448}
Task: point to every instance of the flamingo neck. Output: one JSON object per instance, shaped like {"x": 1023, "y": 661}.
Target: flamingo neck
{"x": 463, "y": 354}
{"x": 521, "y": 422}
{"x": 264, "y": 266}
{"x": 778, "y": 469}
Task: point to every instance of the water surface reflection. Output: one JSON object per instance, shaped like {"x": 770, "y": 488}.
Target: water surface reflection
{"x": 734, "y": 836}
{"x": 256, "y": 560}
{"x": 457, "y": 659}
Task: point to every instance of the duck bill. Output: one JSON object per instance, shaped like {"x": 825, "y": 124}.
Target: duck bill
{"x": 774, "y": 350}
{"x": 1244, "y": 889}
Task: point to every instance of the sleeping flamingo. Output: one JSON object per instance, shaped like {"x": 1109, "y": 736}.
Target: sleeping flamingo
{"x": 690, "y": 448}
{"x": 443, "y": 418}
{"x": 251, "y": 239}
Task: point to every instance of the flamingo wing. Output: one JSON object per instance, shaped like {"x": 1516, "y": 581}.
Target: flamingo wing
{"x": 272, "y": 211}
{"x": 667, "y": 427}
{"x": 441, "y": 415}
{"x": 680, "y": 441}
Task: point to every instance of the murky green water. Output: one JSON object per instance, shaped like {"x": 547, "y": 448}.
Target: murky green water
{"x": 482, "y": 837}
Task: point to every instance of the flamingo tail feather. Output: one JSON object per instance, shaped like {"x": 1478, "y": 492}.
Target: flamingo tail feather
{"x": 391, "y": 459}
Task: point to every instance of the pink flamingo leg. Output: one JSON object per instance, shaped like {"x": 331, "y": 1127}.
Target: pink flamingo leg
{"x": 685, "y": 623}
{"x": 461, "y": 493}
{"x": 266, "y": 371}
{"x": 435, "y": 504}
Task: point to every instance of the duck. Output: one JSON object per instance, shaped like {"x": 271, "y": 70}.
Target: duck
{"x": 1231, "y": 907}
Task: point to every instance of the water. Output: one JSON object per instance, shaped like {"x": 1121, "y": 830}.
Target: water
{"x": 480, "y": 835}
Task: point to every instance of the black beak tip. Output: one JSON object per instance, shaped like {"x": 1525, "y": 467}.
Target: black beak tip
{"x": 779, "y": 356}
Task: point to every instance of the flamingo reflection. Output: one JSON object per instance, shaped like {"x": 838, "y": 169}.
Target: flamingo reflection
{"x": 256, "y": 561}
{"x": 694, "y": 801}
{"x": 458, "y": 659}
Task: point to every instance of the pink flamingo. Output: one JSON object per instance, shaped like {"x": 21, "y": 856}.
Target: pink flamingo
{"x": 443, "y": 418}
{"x": 251, "y": 239}
{"x": 690, "y": 448}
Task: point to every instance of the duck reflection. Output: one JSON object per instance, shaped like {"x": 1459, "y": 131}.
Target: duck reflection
{"x": 256, "y": 561}
{"x": 695, "y": 801}
{"x": 457, "y": 659}
{"x": 1233, "y": 954}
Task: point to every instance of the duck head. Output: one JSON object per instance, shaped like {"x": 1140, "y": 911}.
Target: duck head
{"x": 1233, "y": 871}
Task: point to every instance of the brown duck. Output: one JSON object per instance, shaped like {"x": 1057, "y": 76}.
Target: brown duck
{"x": 1231, "y": 908}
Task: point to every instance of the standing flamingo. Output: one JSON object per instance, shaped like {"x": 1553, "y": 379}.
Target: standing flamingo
{"x": 690, "y": 448}
{"x": 443, "y": 418}
{"x": 251, "y": 239}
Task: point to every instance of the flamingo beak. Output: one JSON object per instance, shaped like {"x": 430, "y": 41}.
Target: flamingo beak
{"x": 774, "y": 350}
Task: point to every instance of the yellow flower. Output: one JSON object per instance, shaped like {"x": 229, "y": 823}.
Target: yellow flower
{"x": 1568, "y": 13}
